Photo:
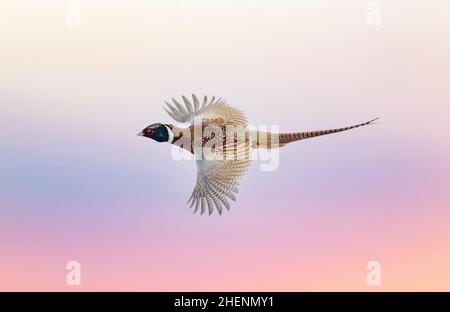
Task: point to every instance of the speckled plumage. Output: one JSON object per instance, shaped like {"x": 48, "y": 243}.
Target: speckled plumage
{"x": 218, "y": 135}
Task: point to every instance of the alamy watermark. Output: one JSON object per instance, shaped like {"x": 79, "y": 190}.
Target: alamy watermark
{"x": 374, "y": 276}
{"x": 214, "y": 142}
{"x": 373, "y": 17}
{"x": 73, "y": 16}
{"x": 73, "y": 277}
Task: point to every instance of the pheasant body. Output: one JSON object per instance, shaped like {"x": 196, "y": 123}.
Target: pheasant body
{"x": 219, "y": 137}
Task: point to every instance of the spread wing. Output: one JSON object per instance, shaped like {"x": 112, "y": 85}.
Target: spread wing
{"x": 217, "y": 183}
{"x": 213, "y": 111}
{"x": 218, "y": 174}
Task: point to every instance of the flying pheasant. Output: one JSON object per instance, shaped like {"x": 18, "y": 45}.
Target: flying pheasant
{"x": 217, "y": 135}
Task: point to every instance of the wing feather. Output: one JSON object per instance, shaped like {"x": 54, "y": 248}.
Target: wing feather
{"x": 218, "y": 111}
{"x": 188, "y": 105}
{"x": 196, "y": 103}
{"x": 217, "y": 182}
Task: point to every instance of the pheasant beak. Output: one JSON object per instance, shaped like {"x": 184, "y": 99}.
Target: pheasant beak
{"x": 140, "y": 133}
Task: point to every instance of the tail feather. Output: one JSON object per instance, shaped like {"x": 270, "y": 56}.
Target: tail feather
{"x": 285, "y": 138}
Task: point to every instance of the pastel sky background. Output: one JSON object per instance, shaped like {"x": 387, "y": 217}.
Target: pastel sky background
{"x": 76, "y": 183}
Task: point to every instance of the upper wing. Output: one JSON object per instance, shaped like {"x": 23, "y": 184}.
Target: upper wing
{"x": 211, "y": 111}
{"x": 217, "y": 182}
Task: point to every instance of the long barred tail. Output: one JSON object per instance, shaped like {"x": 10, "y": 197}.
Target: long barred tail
{"x": 269, "y": 140}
